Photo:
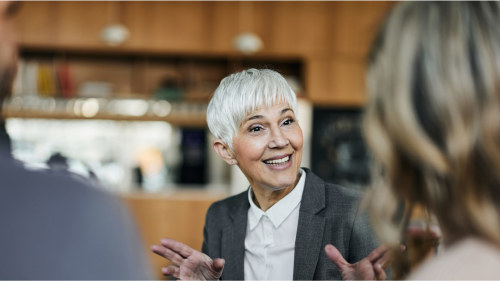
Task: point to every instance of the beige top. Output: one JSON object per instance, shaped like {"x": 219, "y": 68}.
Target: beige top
{"x": 469, "y": 259}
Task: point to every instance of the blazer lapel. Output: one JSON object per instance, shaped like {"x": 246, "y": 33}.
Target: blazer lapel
{"x": 308, "y": 242}
{"x": 233, "y": 241}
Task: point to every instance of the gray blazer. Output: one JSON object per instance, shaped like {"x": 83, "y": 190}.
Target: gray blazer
{"x": 328, "y": 215}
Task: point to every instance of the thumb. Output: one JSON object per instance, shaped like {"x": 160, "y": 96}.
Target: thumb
{"x": 335, "y": 256}
{"x": 219, "y": 264}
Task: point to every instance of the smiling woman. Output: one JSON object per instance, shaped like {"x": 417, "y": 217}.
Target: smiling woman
{"x": 277, "y": 229}
{"x": 268, "y": 150}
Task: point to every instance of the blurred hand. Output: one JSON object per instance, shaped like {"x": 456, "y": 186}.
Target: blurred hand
{"x": 189, "y": 264}
{"x": 370, "y": 268}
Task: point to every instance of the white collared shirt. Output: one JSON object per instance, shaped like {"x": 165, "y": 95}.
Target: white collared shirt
{"x": 270, "y": 237}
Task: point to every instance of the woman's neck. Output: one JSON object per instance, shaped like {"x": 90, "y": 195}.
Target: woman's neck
{"x": 265, "y": 197}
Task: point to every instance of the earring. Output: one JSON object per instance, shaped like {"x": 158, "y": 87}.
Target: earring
{"x": 234, "y": 162}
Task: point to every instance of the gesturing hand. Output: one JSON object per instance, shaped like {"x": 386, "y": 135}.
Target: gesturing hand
{"x": 370, "y": 268}
{"x": 189, "y": 263}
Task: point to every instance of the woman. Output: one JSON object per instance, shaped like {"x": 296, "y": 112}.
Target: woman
{"x": 279, "y": 227}
{"x": 433, "y": 123}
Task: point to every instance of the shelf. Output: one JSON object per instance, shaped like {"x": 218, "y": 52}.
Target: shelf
{"x": 141, "y": 71}
{"x": 129, "y": 84}
{"x": 112, "y": 51}
{"x": 183, "y": 114}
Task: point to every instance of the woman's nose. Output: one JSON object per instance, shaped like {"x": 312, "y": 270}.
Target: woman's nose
{"x": 278, "y": 139}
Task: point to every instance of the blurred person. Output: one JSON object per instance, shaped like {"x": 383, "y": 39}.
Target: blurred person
{"x": 277, "y": 229}
{"x": 433, "y": 124}
{"x": 53, "y": 226}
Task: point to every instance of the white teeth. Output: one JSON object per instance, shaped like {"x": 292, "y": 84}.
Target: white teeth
{"x": 278, "y": 161}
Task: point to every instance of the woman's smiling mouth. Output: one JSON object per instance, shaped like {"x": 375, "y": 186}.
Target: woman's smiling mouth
{"x": 278, "y": 161}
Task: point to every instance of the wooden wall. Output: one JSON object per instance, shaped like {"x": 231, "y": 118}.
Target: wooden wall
{"x": 331, "y": 37}
{"x": 178, "y": 216}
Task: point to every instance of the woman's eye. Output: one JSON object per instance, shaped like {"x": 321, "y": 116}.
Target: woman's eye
{"x": 255, "y": 129}
{"x": 288, "y": 121}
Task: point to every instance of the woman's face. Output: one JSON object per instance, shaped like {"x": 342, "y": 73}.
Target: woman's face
{"x": 268, "y": 147}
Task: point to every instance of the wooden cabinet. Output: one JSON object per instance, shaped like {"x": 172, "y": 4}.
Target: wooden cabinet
{"x": 353, "y": 26}
{"x": 178, "y": 216}
{"x": 36, "y": 23}
{"x": 172, "y": 26}
{"x": 179, "y": 84}
{"x": 63, "y": 23}
{"x": 291, "y": 28}
{"x": 337, "y": 76}
{"x": 330, "y": 38}
{"x": 287, "y": 28}
{"x": 137, "y": 73}
{"x": 336, "y": 81}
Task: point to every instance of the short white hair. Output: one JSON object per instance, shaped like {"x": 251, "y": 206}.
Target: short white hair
{"x": 241, "y": 93}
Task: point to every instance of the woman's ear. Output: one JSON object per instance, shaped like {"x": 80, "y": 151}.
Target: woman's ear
{"x": 224, "y": 152}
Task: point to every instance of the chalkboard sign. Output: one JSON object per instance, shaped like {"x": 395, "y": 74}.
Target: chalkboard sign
{"x": 339, "y": 154}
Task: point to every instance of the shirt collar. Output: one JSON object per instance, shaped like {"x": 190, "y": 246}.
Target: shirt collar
{"x": 281, "y": 209}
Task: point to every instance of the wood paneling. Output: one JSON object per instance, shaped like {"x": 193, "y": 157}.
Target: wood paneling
{"x": 224, "y": 16}
{"x": 336, "y": 81}
{"x": 317, "y": 79}
{"x": 347, "y": 81}
{"x": 135, "y": 16}
{"x": 180, "y": 217}
{"x": 176, "y": 26}
{"x": 298, "y": 27}
{"x": 80, "y": 23}
{"x": 337, "y": 78}
{"x": 36, "y": 23}
{"x": 353, "y": 26}
{"x": 332, "y": 37}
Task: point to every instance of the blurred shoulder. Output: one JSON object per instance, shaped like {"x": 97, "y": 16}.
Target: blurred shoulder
{"x": 69, "y": 215}
{"x": 456, "y": 263}
{"x": 19, "y": 181}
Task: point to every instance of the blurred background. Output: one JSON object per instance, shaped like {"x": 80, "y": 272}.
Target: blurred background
{"x": 117, "y": 92}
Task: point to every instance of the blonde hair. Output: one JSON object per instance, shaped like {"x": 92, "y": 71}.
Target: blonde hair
{"x": 433, "y": 120}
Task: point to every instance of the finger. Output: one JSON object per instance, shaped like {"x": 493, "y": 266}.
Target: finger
{"x": 168, "y": 254}
{"x": 335, "y": 256}
{"x": 384, "y": 261}
{"x": 364, "y": 270}
{"x": 159, "y": 250}
{"x": 219, "y": 264}
{"x": 178, "y": 247}
{"x": 378, "y": 252}
{"x": 402, "y": 248}
{"x": 171, "y": 271}
{"x": 380, "y": 274}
